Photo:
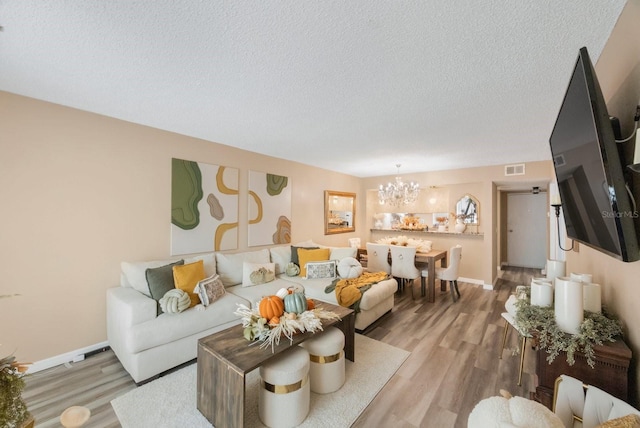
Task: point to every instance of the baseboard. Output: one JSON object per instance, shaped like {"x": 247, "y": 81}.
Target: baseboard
{"x": 67, "y": 357}
{"x": 476, "y": 281}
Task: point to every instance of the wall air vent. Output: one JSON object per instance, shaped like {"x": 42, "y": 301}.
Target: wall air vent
{"x": 559, "y": 161}
{"x": 514, "y": 169}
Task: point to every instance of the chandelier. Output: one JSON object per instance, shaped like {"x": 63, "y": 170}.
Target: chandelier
{"x": 398, "y": 193}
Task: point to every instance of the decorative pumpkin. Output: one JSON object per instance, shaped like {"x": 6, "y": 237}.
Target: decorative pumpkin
{"x": 296, "y": 303}
{"x": 274, "y": 321}
{"x": 271, "y": 306}
{"x": 310, "y": 304}
{"x": 282, "y": 293}
{"x": 292, "y": 269}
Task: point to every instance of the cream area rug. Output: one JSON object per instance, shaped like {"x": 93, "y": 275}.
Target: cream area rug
{"x": 170, "y": 401}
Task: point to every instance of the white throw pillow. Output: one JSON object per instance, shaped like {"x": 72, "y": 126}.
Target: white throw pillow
{"x": 175, "y": 301}
{"x": 209, "y": 290}
{"x": 257, "y": 273}
{"x": 281, "y": 256}
{"x": 349, "y": 267}
{"x": 339, "y": 253}
{"x": 229, "y": 266}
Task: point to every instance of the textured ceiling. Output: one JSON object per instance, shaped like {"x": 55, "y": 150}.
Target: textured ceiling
{"x": 350, "y": 86}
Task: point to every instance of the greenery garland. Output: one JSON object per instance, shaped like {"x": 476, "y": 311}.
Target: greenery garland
{"x": 594, "y": 330}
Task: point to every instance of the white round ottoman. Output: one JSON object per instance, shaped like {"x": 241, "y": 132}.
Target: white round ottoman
{"x": 284, "y": 396}
{"x": 327, "y": 360}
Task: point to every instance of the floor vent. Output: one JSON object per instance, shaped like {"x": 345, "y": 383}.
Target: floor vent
{"x": 514, "y": 169}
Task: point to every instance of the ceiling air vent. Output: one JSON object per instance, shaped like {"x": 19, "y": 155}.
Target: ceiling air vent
{"x": 559, "y": 161}
{"x": 514, "y": 169}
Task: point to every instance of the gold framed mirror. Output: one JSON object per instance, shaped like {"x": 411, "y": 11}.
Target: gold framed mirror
{"x": 339, "y": 212}
{"x": 468, "y": 208}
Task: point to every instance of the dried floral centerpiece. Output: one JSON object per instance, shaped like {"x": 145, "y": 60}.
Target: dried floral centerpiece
{"x": 13, "y": 410}
{"x": 286, "y": 313}
{"x": 595, "y": 330}
{"x": 412, "y": 223}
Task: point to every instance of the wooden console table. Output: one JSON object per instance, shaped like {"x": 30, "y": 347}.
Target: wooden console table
{"x": 225, "y": 358}
{"x": 610, "y": 373}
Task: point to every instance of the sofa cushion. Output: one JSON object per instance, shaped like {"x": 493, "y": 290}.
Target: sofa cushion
{"x": 209, "y": 289}
{"x": 208, "y": 262}
{"x": 311, "y": 255}
{"x": 160, "y": 280}
{"x": 186, "y": 278}
{"x": 257, "y": 273}
{"x": 133, "y": 274}
{"x": 281, "y": 256}
{"x": 339, "y": 253}
{"x": 229, "y": 266}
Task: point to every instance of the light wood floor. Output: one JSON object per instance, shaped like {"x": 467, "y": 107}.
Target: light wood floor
{"x": 453, "y": 364}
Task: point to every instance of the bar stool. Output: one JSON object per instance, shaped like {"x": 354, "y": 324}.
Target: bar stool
{"x": 326, "y": 353}
{"x": 283, "y": 401}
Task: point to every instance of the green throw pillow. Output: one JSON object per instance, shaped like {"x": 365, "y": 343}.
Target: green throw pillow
{"x": 160, "y": 280}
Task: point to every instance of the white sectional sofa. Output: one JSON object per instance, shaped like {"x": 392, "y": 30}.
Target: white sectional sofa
{"x": 148, "y": 344}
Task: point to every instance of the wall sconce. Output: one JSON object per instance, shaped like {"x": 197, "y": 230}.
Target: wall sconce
{"x": 556, "y": 203}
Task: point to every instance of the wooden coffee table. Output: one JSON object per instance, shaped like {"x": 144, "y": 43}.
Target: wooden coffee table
{"x": 225, "y": 358}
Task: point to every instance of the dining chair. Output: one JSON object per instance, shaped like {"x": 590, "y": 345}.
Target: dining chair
{"x": 403, "y": 265}
{"x": 378, "y": 258}
{"x": 450, "y": 273}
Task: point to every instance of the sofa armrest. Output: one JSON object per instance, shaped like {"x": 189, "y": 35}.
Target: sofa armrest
{"x": 129, "y": 307}
{"x": 378, "y": 293}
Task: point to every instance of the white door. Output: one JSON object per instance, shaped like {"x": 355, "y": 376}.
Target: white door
{"x": 527, "y": 230}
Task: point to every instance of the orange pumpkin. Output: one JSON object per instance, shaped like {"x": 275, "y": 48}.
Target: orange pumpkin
{"x": 271, "y": 306}
{"x": 274, "y": 321}
{"x": 310, "y": 304}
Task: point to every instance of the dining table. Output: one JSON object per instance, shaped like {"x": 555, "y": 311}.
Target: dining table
{"x": 430, "y": 258}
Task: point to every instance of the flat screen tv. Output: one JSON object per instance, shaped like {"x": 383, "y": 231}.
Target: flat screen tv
{"x": 595, "y": 203}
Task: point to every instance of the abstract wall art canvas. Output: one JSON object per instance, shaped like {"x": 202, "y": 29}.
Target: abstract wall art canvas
{"x": 269, "y": 209}
{"x": 204, "y": 207}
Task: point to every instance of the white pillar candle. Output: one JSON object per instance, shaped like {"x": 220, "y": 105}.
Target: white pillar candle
{"x": 592, "y": 297}
{"x": 568, "y": 305}
{"x": 556, "y": 268}
{"x": 581, "y": 277}
{"x": 541, "y": 293}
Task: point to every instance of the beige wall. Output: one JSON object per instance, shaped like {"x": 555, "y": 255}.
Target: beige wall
{"x": 82, "y": 192}
{"x": 618, "y": 70}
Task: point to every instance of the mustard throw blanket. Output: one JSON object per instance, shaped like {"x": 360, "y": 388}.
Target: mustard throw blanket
{"x": 349, "y": 291}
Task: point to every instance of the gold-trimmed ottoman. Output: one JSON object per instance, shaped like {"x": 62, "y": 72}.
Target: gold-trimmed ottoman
{"x": 284, "y": 396}
{"x": 326, "y": 353}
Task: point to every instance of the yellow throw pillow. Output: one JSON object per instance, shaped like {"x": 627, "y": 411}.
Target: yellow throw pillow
{"x": 315, "y": 255}
{"x": 186, "y": 278}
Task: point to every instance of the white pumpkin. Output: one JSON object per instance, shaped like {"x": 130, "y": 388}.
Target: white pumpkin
{"x": 282, "y": 293}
